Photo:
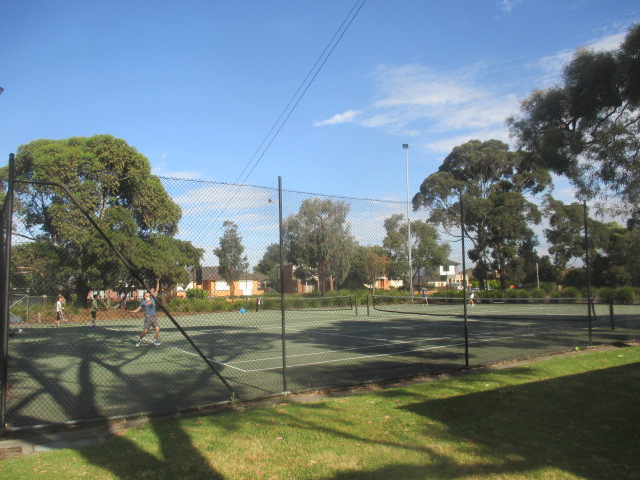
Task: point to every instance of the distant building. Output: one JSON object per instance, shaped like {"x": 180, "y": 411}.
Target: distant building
{"x": 216, "y": 286}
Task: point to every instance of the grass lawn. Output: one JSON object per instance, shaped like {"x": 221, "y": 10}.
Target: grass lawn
{"x": 569, "y": 417}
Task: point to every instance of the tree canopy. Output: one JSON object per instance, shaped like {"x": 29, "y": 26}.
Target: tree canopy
{"x": 319, "y": 240}
{"x": 230, "y": 253}
{"x": 427, "y": 253}
{"x": 491, "y": 181}
{"x": 587, "y": 127}
{"x": 113, "y": 182}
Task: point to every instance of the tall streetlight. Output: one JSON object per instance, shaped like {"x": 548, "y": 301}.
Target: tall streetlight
{"x": 406, "y": 150}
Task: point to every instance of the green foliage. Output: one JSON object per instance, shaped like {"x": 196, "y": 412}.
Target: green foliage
{"x": 196, "y": 293}
{"x": 605, "y": 294}
{"x": 426, "y": 250}
{"x": 491, "y": 183}
{"x": 625, "y": 295}
{"x": 538, "y": 293}
{"x": 586, "y": 127}
{"x": 517, "y": 295}
{"x": 319, "y": 240}
{"x": 232, "y": 262}
{"x": 568, "y": 292}
{"x": 269, "y": 265}
{"x": 112, "y": 181}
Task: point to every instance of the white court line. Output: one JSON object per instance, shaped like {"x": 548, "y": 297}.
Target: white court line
{"x": 186, "y": 352}
{"x": 388, "y": 343}
{"x": 374, "y": 356}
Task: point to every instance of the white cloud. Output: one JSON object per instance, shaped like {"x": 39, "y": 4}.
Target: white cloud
{"x": 551, "y": 66}
{"x": 413, "y": 101}
{"x": 445, "y": 145}
{"x": 345, "y": 117}
{"x": 448, "y": 108}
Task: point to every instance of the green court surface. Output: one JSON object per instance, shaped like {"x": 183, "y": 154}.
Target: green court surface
{"x": 78, "y": 372}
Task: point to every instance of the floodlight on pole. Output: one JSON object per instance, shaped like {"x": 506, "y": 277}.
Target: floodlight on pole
{"x": 406, "y": 150}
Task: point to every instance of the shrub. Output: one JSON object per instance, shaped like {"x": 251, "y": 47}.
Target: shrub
{"x": 538, "y": 293}
{"x": 625, "y": 295}
{"x": 196, "y": 293}
{"x": 605, "y": 295}
{"x": 569, "y": 292}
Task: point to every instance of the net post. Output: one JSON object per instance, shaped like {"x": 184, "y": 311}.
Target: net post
{"x": 355, "y": 303}
{"x": 368, "y": 309}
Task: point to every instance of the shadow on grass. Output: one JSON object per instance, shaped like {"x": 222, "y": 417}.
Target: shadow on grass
{"x": 176, "y": 457}
{"x": 587, "y": 424}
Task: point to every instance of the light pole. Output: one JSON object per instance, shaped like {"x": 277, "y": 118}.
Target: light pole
{"x": 406, "y": 150}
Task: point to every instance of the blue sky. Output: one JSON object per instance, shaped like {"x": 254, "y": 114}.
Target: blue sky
{"x": 196, "y": 86}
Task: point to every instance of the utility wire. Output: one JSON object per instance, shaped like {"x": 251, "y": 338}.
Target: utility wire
{"x": 297, "y": 96}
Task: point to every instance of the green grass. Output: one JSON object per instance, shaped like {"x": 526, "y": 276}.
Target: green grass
{"x": 573, "y": 416}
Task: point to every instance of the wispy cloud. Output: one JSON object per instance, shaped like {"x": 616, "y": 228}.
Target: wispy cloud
{"x": 508, "y": 5}
{"x": 412, "y": 100}
{"x": 447, "y": 108}
{"x": 345, "y": 117}
{"x": 550, "y": 67}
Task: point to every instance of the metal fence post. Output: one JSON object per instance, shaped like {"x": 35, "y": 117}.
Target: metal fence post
{"x": 7, "y": 214}
{"x": 464, "y": 284}
{"x": 282, "y": 297}
{"x": 588, "y": 267}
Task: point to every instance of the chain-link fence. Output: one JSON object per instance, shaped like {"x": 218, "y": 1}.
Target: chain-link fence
{"x": 260, "y": 291}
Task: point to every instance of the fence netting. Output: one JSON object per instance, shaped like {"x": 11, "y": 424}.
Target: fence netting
{"x": 271, "y": 291}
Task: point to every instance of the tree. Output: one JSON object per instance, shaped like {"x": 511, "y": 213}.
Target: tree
{"x": 427, "y": 254}
{"x": 113, "y": 182}
{"x": 565, "y": 234}
{"x": 491, "y": 182}
{"x": 586, "y": 128}
{"x": 319, "y": 241}
{"x": 232, "y": 262}
{"x": 368, "y": 263}
{"x": 270, "y": 264}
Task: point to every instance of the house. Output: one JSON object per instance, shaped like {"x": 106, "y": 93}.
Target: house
{"x": 385, "y": 283}
{"x": 449, "y": 275}
{"x": 210, "y": 280}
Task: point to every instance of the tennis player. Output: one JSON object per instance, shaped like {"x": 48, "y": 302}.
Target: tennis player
{"x": 150, "y": 319}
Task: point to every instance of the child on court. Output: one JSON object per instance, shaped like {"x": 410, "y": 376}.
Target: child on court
{"x": 59, "y": 307}
{"x": 150, "y": 319}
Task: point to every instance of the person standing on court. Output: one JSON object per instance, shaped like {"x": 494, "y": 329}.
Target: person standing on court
{"x": 150, "y": 319}
{"x": 425, "y": 296}
{"x": 94, "y": 310}
{"x": 59, "y": 310}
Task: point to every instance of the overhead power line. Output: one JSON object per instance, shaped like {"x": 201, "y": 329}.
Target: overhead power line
{"x": 300, "y": 92}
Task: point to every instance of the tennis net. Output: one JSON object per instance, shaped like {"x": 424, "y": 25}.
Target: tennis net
{"x": 498, "y": 309}
{"x": 333, "y": 303}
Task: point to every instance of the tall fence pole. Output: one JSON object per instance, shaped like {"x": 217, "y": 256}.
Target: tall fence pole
{"x": 588, "y": 267}
{"x": 282, "y": 297}
{"x": 464, "y": 285}
{"x": 7, "y": 215}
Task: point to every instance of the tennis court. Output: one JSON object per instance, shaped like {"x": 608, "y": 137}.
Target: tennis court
{"x": 85, "y": 373}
